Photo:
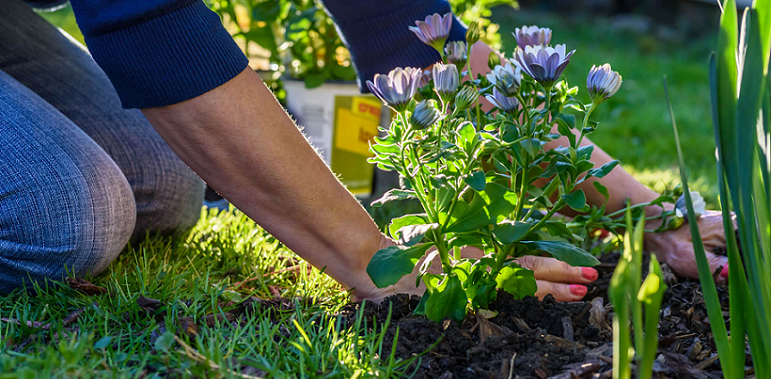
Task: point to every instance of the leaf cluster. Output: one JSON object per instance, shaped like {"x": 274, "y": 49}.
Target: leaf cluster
{"x": 484, "y": 181}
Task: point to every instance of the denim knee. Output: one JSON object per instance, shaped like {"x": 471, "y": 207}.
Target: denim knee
{"x": 65, "y": 206}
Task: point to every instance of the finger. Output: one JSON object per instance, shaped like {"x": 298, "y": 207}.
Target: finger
{"x": 557, "y": 271}
{"x": 718, "y": 262}
{"x": 560, "y": 291}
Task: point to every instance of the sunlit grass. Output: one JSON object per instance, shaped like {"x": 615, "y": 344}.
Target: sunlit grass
{"x": 195, "y": 278}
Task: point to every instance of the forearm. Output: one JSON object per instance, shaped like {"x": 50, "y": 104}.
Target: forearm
{"x": 620, "y": 184}
{"x": 240, "y": 141}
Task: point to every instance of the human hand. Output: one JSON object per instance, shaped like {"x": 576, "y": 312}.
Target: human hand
{"x": 553, "y": 277}
{"x": 675, "y": 247}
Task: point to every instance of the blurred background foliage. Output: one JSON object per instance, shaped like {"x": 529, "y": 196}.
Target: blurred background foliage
{"x": 643, "y": 40}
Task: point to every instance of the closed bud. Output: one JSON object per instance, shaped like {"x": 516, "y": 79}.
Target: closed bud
{"x": 473, "y": 33}
{"x": 466, "y": 98}
{"x": 424, "y": 115}
{"x": 493, "y": 60}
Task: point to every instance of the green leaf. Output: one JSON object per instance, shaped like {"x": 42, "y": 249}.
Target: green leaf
{"x": 420, "y": 310}
{"x": 447, "y": 301}
{"x": 602, "y": 171}
{"x": 393, "y": 195}
{"x": 476, "y": 180}
{"x": 264, "y": 37}
{"x": 576, "y": 200}
{"x": 411, "y": 234}
{"x": 103, "y": 343}
{"x": 466, "y": 239}
{"x": 394, "y": 262}
{"x": 532, "y": 146}
{"x": 315, "y": 79}
{"x": 164, "y": 342}
{"x": 482, "y": 291}
{"x": 468, "y": 135}
{"x": 488, "y": 207}
{"x": 400, "y": 222}
{"x": 565, "y": 252}
{"x": 510, "y": 232}
{"x": 602, "y": 190}
{"x": 267, "y": 11}
{"x": 517, "y": 281}
{"x": 708, "y": 288}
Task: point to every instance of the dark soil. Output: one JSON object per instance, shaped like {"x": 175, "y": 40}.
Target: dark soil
{"x": 547, "y": 339}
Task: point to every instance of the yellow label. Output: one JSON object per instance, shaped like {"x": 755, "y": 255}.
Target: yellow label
{"x": 367, "y": 107}
{"x": 354, "y": 131}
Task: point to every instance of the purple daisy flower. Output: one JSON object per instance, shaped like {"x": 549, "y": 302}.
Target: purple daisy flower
{"x": 434, "y": 30}
{"x": 397, "y": 88}
{"x": 543, "y": 63}
{"x": 532, "y": 36}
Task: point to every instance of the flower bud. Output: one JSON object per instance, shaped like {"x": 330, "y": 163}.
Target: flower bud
{"x": 493, "y": 60}
{"x": 472, "y": 33}
{"x": 456, "y": 53}
{"x": 602, "y": 82}
{"x": 466, "y": 98}
{"x": 424, "y": 115}
{"x": 446, "y": 81}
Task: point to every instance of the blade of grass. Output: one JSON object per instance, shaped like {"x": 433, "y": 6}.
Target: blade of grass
{"x": 705, "y": 274}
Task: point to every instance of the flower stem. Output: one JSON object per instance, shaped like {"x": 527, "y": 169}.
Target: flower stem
{"x": 583, "y": 126}
{"x": 522, "y": 188}
{"x": 416, "y": 184}
{"x": 551, "y": 212}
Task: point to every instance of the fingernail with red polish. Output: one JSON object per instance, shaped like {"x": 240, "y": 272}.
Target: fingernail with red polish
{"x": 589, "y": 273}
{"x": 577, "y": 289}
{"x": 724, "y": 273}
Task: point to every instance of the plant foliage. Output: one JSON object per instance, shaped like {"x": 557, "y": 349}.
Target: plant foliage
{"x": 741, "y": 106}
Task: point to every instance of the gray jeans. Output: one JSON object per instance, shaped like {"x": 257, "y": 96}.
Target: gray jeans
{"x": 79, "y": 175}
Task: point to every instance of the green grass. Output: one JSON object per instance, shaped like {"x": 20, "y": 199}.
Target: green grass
{"x": 634, "y": 124}
{"x": 193, "y": 277}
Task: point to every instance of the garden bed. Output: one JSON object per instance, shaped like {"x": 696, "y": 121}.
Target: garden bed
{"x": 548, "y": 339}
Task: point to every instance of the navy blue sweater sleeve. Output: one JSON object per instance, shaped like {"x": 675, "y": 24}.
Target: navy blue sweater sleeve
{"x": 161, "y": 52}
{"x": 378, "y": 36}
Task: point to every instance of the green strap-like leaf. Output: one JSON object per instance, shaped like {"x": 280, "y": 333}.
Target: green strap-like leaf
{"x": 705, "y": 274}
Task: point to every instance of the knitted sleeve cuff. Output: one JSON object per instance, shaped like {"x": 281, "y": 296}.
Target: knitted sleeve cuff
{"x": 169, "y": 58}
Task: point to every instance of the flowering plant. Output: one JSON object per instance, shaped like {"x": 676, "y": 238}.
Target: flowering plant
{"x": 484, "y": 179}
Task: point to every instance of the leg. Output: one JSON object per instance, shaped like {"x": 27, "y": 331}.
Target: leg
{"x": 168, "y": 194}
{"x": 64, "y": 204}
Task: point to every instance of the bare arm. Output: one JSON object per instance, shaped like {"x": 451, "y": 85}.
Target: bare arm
{"x": 240, "y": 140}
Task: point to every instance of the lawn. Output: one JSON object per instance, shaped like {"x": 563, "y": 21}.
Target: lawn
{"x": 191, "y": 287}
{"x": 171, "y": 307}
